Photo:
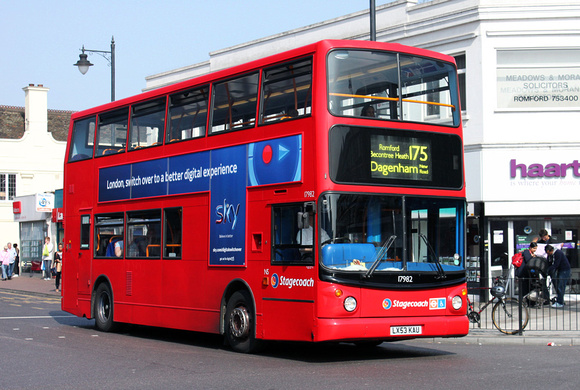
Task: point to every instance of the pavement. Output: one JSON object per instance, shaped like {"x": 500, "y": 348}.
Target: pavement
{"x": 33, "y": 284}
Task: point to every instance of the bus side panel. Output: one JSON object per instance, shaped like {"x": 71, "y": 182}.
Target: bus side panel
{"x": 174, "y": 293}
{"x": 288, "y": 303}
{"x": 287, "y": 320}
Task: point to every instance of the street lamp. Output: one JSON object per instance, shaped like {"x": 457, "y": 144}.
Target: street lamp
{"x": 84, "y": 64}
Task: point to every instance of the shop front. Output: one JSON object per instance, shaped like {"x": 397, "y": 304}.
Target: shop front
{"x": 527, "y": 189}
{"x": 34, "y": 214}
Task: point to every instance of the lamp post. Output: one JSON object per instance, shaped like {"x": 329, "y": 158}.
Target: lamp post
{"x": 373, "y": 20}
{"x": 84, "y": 64}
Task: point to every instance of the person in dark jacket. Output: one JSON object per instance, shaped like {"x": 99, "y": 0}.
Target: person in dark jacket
{"x": 526, "y": 273}
{"x": 544, "y": 237}
{"x": 561, "y": 269}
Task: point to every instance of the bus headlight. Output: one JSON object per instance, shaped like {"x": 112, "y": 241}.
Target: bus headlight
{"x": 456, "y": 302}
{"x": 350, "y": 304}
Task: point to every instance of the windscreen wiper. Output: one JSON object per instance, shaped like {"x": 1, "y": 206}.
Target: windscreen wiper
{"x": 440, "y": 271}
{"x": 382, "y": 252}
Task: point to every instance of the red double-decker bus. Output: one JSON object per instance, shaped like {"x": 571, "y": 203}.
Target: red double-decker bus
{"x": 313, "y": 195}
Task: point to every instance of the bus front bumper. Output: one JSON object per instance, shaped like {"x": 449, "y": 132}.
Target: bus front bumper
{"x": 391, "y": 329}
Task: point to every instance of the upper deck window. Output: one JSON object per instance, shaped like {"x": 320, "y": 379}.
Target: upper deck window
{"x": 147, "y": 124}
{"x": 187, "y": 114}
{"x": 234, "y": 104}
{"x": 287, "y": 91}
{"x": 83, "y": 139}
{"x": 112, "y": 132}
{"x": 390, "y": 86}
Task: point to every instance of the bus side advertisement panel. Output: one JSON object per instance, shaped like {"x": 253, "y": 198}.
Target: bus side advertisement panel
{"x": 228, "y": 206}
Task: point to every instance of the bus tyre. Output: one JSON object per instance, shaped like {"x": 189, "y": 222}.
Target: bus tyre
{"x": 104, "y": 308}
{"x": 240, "y": 326}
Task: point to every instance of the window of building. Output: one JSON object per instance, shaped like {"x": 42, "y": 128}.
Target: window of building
{"x": 85, "y": 231}
{"x": 460, "y": 61}
{"x": 293, "y": 234}
{"x": 546, "y": 78}
{"x": 83, "y": 139}
{"x": 112, "y": 132}
{"x": 172, "y": 233}
{"x": 7, "y": 186}
{"x": 147, "y": 124}
{"x": 144, "y": 234}
{"x": 287, "y": 91}
{"x": 187, "y": 114}
{"x": 234, "y": 104}
{"x": 109, "y": 235}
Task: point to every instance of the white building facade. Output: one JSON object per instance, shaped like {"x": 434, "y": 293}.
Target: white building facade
{"x": 31, "y": 162}
{"x": 519, "y": 63}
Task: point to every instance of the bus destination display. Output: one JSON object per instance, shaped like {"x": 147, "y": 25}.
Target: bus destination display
{"x": 400, "y": 158}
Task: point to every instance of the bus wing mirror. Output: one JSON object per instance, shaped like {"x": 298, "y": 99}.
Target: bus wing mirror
{"x": 303, "y": 220}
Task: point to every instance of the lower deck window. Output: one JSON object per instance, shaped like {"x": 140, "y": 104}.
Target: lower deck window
{"x": 144, "y": 234}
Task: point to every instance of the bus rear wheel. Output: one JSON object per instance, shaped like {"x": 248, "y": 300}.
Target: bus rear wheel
{"x": 104, "y": 309}
{"x": 240, "y": 326}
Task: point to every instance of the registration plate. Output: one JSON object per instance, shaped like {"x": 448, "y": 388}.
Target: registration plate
{"x": 404, "y": 330}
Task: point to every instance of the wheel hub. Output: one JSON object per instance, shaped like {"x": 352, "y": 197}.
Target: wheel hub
{"x": 240, "y": 322}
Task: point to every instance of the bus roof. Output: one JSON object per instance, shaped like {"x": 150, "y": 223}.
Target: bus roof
{"x": 323, "y": 45}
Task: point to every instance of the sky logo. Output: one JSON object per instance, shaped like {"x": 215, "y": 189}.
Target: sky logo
{"x": 227, "y": 213}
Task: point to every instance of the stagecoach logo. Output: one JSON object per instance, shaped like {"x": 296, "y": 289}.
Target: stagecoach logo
{"x": 387, "y": 304}
{"x": 275, "y": 280}
{"x": 290, "y": 282}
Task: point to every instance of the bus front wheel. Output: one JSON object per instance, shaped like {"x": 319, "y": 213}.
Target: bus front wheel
{"x": 240, "y": 327}
{"x": 104, "y": 308}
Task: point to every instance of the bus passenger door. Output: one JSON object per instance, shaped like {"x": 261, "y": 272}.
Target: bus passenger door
{"x": 288, "y": 299}
{"x": 83, "y": 255}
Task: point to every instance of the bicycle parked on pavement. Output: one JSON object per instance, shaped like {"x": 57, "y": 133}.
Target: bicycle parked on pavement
{"x": 504, "y": 314}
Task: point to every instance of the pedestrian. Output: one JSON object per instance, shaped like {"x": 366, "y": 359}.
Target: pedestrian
{"x": 525, "y": 272}
{"x": 5, "y": 263}
{"x": 47, "y": 254}
{"x": 543, "y": 237}
{"x": 12, "y": 259}
{"x": 16, "y": 261}
{"x": 57, "y": 265}
{"x": 560, "y": 268}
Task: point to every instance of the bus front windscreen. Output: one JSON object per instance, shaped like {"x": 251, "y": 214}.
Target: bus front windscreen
{"x": 392, "y": 86}
{"x": 374, "y": 234}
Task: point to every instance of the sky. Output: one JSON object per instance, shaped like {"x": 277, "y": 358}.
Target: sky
{"x": 42, "y": 39}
